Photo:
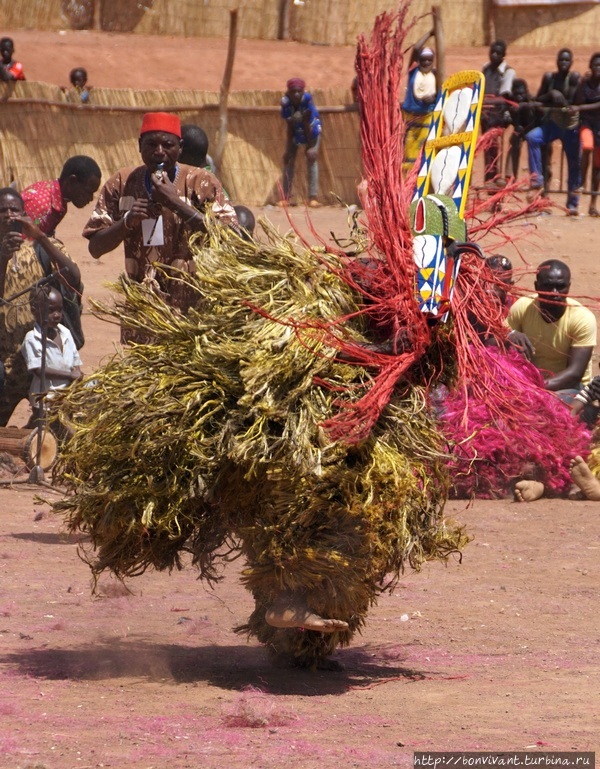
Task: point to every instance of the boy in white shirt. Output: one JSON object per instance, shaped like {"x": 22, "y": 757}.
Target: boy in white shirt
{"x": 62, "y": 357}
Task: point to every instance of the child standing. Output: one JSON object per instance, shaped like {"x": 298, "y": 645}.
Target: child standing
{"x": 499, "y": 79}
{"x": 78, "y": 78}
{"x": 9, "y": 68}
{"x": 62, "y": 358}
{"x": 523, "y": 118}
{"x": 303, "y": 128}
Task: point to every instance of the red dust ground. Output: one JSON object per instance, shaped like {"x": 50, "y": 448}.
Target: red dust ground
{"x": 499, "y": 652}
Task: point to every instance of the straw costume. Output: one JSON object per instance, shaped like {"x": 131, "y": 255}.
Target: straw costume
{"x": 216, "y": 444}
{"x": 285, "y": 418}
{"x": 225, "y": 435}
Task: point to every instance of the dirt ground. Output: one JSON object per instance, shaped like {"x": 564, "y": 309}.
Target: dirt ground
{"x": 497, "y": 652}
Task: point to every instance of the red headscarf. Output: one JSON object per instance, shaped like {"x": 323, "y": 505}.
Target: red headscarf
{"x": 295, "y": 82}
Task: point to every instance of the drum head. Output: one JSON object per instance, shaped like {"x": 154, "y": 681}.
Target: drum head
{"x": 48, "y": 450}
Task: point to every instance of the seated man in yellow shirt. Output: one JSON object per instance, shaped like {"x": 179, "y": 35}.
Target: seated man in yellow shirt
{"x": 555, "y": 332}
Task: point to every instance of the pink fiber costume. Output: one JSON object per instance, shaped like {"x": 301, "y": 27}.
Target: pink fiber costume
{"x": 493, "y": 446}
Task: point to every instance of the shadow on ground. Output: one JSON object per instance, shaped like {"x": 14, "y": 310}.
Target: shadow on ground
{"x": 229, "y": 667}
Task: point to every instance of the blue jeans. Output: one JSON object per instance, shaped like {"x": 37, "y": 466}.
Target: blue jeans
{"x": 312, "y": 170}
{"x": 547, "y": 133}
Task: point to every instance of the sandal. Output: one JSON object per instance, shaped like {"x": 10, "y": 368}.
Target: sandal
{"x": 593, "y": 211}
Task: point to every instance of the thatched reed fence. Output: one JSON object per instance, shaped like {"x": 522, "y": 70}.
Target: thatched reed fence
{"x": 326, "y": 22}
{"x": 466, "y": 23}
{"x": 40, "y": 128}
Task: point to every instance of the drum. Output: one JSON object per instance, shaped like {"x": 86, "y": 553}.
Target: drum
{"x": 23, "y": 443}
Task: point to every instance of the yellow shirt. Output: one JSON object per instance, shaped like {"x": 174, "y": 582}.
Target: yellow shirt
{"x": 553, "y": 341}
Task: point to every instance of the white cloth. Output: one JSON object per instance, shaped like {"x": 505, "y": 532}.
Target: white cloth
{"x": 425, "y": 85}
{"x": 60, "y": 360}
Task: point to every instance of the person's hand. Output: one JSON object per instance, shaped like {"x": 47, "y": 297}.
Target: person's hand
{"x": 139, "y": 210}
{"x": 29, "y": 228}
{"x": 311, "y": 153}
{"x": 522, "y": 343}
{"x": 164, "y": 191}
{"x": 11, "y": 243}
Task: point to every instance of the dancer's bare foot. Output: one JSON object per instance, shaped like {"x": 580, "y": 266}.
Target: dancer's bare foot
{"x": 584, "y": 478}
{"x": 291, "y": 611}
{"x": 528, "y": 491}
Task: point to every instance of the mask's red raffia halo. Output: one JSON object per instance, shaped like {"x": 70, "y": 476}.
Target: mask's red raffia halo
{"x": 387, "y": 280}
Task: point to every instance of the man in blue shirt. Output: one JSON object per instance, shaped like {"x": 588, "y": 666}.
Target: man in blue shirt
{"x": 303, "y": 128}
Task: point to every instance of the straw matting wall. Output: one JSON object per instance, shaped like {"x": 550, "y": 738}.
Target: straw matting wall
{"x": 40, "y": 127}
{"x": 340, "y": 22}
{"x": 324, "y": 22}
{"x": 540, "y": 26}
{"x": 195, "y": 18}
{"x": 465, "y": 23}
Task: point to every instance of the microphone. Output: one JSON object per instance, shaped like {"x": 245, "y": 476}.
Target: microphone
{"x": 49, "y": 278}
{"x": 40, "y": 282}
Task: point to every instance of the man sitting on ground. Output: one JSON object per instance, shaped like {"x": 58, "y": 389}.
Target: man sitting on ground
{"x": 555, "y": 332}
{"x": 46, "y": 202}
{"x": 558, "y": 335}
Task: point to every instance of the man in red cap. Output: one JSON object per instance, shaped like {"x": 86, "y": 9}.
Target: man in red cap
{"x": 303, "y": 129}
{"x": 154, "y": 208}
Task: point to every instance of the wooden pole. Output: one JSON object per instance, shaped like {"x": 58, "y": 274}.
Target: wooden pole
{"x": 283, "y": 25}
{"x": 438, "y": 33}
{"x": 97, "y": 14}
{"x": 224, "y": 93}
{"x": 491, "y": 21}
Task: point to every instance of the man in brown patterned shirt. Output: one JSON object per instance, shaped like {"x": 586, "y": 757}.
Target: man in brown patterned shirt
{"x": 153, "y": 209}
{"x": 20, "y": 267}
